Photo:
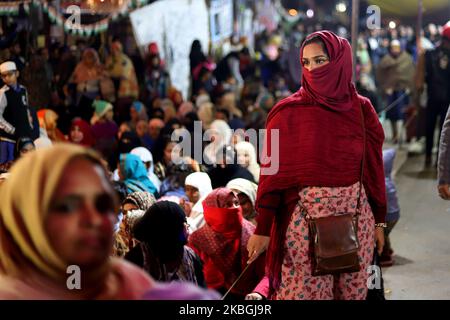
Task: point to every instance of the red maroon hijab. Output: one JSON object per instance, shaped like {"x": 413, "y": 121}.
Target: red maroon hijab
{"x": 321, "y": 141}
{"x": 88, "y": 136}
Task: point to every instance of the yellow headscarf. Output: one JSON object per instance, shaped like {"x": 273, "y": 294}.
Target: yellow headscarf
{"x": 24, "y": 202}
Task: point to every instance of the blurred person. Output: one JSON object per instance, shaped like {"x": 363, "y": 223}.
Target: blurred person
{"x": 132, "y": 171}
{"x": 17, "y": 119}
{"x": 197, "y": 187}
{"x": 169, "y": 110}
{"x": 147, "y": 158}
{"x": 104, "y": 130}
{"x": 205, "y": 114}
{"x": 133, "y": 207}
{"x": 221, "y": 245}
{"x": 86, "y": 77}
{"x": 24, "y": 145}
{"x": 220, "y": 135}
{"x": 157, "y": 79}
{"x": 154, "y": 128}
{"x": 433, "y": 70}
{"x": 393, "y": 208}
{"x": 247, "y": 158}
{"x": 196, "y": 55}
{"x": 121, "y": 69}
{"x": 124, "y": 127}
{"x": 185, "y": 108}
{"x": 444, "y": 160}
{"x": 176, "y": 97}
{"x": 81, "y": 133}
{"x": 73, "y": 181}
{"x": 142, "y": 133}
{"x": 246, "y": 192}
{"x": 48, "y": 120}
{"x": 162, "y": 251}
{"x": 227, "y": 168}
{"x": 395, "y": 76}
{"x": 138, "y": 111}
{"x": 257, "y": 112}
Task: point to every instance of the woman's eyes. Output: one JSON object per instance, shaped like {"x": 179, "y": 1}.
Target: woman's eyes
{"x": 66, "y": 206}
{"x": 316, "y": 61}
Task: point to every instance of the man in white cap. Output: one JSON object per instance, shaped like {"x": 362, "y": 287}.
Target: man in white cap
{"x": 16, "y": 118}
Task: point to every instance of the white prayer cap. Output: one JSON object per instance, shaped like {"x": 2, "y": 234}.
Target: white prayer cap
{"x": 7, "y": 66}
{"x": 395, "y": 43}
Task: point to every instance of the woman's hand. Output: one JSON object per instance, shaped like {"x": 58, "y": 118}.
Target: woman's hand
{"x": 379, "y": 239}
{"x": 256, "y": 245}
{"x": 253, "y": 296}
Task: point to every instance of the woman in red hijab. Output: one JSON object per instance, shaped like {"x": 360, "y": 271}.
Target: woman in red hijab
{"x": 81, "y": 133}
{"x": 222, "y": 246}
{"x": 320, "y": 151}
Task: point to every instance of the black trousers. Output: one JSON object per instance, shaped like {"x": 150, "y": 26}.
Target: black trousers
{"x": 434, "y": 110}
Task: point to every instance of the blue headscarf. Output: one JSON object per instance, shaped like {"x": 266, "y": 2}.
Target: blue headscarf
{"x": 134, "y": 174}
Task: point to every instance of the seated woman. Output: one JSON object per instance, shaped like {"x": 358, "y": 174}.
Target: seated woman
{"x": 57, "y": 212}
{"x": 221, "y": 244}
{"x": 247, "y": 158}
{"x": 133, "y": 208}
{"x": 81, "y": 133}
{"x": 132, "y": 171}
{"x": 162, "y": 250}
{"x": 197, "y": 186}
{"x": 246, "y": 192}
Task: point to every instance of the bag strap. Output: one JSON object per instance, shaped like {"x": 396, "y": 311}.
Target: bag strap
{"x": 363, "y": 159}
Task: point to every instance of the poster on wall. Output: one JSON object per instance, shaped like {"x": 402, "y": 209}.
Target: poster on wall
{"x": 221, "y": 19}
{"x": 173, "y": 25}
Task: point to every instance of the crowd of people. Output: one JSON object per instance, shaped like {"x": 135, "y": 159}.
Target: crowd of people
{"x": 108, "y": 167}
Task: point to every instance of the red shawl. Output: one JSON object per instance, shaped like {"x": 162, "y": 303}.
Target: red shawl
{"x": 222, "y": 244}
{"x": 320, "y": 144}
{"x": 88, "y": 135}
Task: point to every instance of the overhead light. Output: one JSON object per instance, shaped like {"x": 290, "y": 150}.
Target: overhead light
{"x": 392, "y": 25}
{"x": 341, "y": 7}
{"x": 310, "y": 13}
{"x": 292, "y": 12}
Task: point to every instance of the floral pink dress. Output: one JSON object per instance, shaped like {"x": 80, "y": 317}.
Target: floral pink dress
{"x": 297, "y": 283}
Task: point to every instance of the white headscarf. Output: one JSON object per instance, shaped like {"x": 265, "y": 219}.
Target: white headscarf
{"x": 248, "y": 148}
{"x": 202, "y": 182}
{"x": 223, "y": 133}
{"x": 245, "y": 186}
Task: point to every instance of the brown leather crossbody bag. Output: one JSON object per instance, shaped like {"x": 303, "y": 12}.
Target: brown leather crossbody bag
{"x": 334, "y": 239}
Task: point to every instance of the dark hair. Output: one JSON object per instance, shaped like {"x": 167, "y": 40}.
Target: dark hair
{"x": 318, "y": 40}
{"x": 121, "y": 190}
{"x": 21, "y": 143}
{"x": 225, "y": 112}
